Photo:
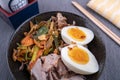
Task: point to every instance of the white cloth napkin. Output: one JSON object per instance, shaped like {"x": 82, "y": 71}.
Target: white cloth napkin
{"x": 110, "y": 9}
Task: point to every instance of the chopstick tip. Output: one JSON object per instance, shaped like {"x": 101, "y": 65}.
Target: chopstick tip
{"x": 73, "y": 1}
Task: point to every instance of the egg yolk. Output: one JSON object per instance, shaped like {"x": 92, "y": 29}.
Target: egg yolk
{"x": 78, "y": 55}
{"x": 77, "y": 34}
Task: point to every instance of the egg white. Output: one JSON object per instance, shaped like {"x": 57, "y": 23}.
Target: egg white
{"x": 67, "y": 39}
{"x": 86, "y": 69}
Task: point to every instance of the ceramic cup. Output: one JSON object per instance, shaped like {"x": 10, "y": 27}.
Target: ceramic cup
{"x": 12, "y": 5}
{"x": 15, "y": 5}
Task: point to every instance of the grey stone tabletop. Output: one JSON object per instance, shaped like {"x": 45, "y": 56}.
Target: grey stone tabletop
{"x": 112, "y": 64}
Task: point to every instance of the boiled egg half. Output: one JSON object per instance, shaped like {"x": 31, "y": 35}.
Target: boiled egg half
{"x": 77, "y": 34}
{"x": 79, "y": 59}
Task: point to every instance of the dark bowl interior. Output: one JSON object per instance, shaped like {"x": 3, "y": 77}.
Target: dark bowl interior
{"x": 96, "y": 46}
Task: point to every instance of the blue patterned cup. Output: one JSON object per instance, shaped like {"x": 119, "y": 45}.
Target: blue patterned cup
{"x": 15, "y": 5}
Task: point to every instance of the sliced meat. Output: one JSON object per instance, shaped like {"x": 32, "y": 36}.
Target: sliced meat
{"x": 32, "y": 77}
{"x": 37, "y": 72}
{"x": 52, "y": 74}
{"x": 52, "y": 68}
{"x": 75, "y": 77}
{"x": 61, "y": 21}
{"x": 55, "y": 75}
{"x": 50, "y": 61}
{"x": 64, "y": 79}
{"x": 50, "y": 77}
{"x": 53, "y": 18}
{"x": 61, "y": 69}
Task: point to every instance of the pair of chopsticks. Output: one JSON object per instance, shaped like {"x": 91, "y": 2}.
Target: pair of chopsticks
{"x": 111, "y": 34}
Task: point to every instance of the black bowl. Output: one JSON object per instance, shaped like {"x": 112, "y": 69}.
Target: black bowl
{"x": 96, "y": 46}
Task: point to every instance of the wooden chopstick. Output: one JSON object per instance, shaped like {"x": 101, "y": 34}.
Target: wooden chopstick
{"x": 97, "y": 22}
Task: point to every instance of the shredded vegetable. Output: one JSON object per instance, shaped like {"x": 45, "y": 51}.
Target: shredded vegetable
{"x": 42, "y": 39}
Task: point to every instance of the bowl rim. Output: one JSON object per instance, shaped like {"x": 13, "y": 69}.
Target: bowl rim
{"x": 85, "y": 20}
